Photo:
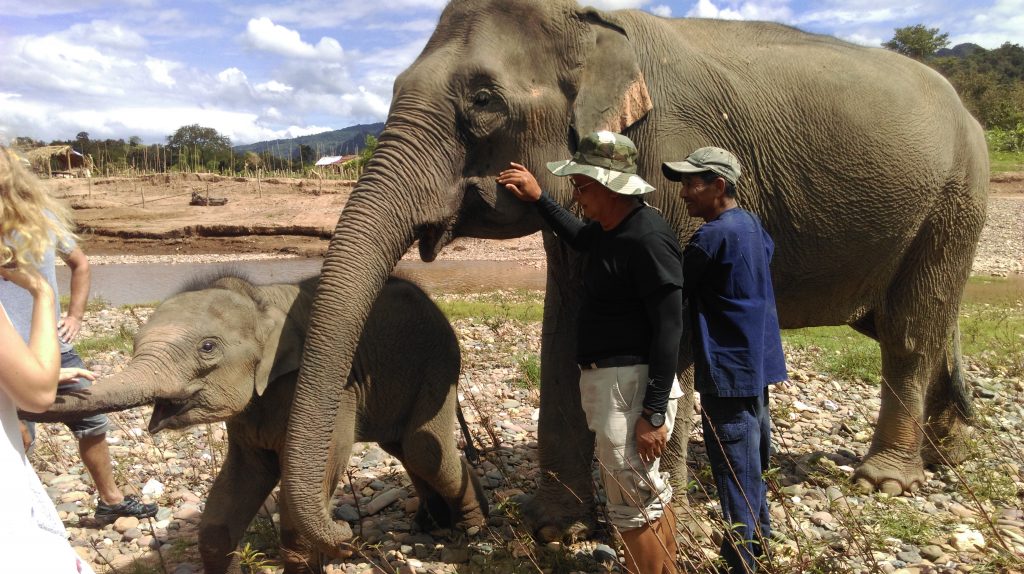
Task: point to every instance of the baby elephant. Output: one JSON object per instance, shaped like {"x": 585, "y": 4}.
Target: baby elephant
{"x": 230, "y": 352}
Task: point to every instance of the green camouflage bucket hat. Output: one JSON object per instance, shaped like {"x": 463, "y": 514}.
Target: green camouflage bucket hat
{"x": 609, "y": 159}
{"x": 708, "y": 158}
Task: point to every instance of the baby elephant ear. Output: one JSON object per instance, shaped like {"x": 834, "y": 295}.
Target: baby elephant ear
{"x": 612, "y": 93}
{"x": 281, "y": 349}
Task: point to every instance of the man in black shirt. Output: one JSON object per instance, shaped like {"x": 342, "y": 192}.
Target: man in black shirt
{"x": 630, "y": 325}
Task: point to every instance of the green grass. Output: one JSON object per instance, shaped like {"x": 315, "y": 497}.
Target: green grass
{"x": 520, "y": 305}
{"x": 839, "y": 351}
{"x": 1001, "y": 161}
{"x": 894, "y": 518}
{"x": 992, "y": 335}
{"x": 120, "y": 341}
{"x": 91, "y": 306}
{"x": 529, "y": 366}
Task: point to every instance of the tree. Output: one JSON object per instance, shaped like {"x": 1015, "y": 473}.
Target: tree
{"x": 917, "y": 42}
{"x": 196, "y": 146}
{"x": 370, "y": 146}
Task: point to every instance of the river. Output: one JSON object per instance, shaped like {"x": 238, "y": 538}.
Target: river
{"x": 124, "y": 284}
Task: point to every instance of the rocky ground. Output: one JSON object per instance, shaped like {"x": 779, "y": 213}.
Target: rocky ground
{"x": 965, "y": 519}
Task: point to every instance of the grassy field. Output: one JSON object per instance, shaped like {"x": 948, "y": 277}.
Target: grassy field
{"x": 1001, "y": 161}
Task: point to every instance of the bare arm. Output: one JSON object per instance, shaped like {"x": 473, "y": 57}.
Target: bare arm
{"x": 71, "y": 323}
{"x": 29, "y": 373}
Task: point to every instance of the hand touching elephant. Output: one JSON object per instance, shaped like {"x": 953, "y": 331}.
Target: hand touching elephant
{"x": 230, "y": 352}
{"x": 863, "y": 165}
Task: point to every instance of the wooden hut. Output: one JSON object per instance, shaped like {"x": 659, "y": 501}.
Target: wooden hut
{"x": 59, "y": 161}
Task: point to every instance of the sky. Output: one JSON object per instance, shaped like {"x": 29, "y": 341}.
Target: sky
{"x": 262, "y": 70}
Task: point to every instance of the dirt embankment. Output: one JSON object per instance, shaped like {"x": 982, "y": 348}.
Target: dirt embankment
{"x": 151, "y": 216}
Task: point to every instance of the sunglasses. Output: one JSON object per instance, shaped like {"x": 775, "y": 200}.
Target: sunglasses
{"x": 580, "y": 187}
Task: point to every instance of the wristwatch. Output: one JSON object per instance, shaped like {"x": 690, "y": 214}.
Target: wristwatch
{"x": 657, "y": 420}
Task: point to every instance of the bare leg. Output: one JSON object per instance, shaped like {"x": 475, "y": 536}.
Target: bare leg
{"x": 651, "y": 549}
{"x": 96, "y": 456}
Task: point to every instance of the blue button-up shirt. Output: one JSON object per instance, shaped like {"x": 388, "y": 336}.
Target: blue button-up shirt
{"x": 728, "y": 285}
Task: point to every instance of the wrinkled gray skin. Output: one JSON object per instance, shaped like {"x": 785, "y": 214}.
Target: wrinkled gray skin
{"x": 863, "y": 164}
{"x": 231, "y": 353}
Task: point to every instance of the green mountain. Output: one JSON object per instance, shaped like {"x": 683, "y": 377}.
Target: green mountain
{"x": 350, "y": 140}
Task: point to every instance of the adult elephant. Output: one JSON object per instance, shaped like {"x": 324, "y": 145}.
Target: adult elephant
{"x": 863, "y": 164}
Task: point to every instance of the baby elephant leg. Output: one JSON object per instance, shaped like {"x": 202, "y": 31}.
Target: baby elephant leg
{"x": 449, "y": 489}
{"x": 245, "y": 480}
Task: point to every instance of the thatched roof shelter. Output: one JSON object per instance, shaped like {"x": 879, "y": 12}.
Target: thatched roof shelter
{"x": 61, "y": 160}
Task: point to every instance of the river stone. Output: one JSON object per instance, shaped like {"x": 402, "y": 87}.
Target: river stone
{"x": 931, "y": 552}
{"x": 383, "y": 500}
{"x": 455, "y": 555}
{"x": 126, "y": 523}
{"x": 604, "y": 553}
{"x": 967, "y": 541}
{"x": 189, "y": 512}
{"x": 346, "y": 512}
{"x": 909, "y": 556}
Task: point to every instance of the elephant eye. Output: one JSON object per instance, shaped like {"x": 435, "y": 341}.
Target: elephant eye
{"x": 207, "y": 346}
{"x": 481, "y": 98}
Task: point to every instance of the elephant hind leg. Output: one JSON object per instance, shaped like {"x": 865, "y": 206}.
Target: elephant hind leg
{"x": 433, "y": 512}
{"x": 445, "y": 475}
{"x": 914, "y": 323}
{"x": 947, "y": 411}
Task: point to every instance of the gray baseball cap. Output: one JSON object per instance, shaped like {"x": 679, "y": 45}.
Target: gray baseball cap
{"x": 710, "y": 158}
{"x": 609, "y": 159}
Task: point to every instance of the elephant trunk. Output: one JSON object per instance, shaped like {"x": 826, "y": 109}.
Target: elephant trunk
{"x": 118, "y": 392}
{"x": 378, "y": 225}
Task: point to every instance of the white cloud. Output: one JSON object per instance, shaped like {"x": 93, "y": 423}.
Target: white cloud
{"x": 707, "y": 9}
{"x": 107, "y": 34}
{"x": 768, "y": 10}
{"x": 263, "y": 34}
{"x": 274, "y": 87}
{"x": 661, "y": 10}
{"x": 160, "y": 71}
{"x": 614, "y": 4}
{"x": 232, "y": 77}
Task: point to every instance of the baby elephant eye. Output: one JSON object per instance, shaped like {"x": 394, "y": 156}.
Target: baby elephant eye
{"x": 207, "y": 346}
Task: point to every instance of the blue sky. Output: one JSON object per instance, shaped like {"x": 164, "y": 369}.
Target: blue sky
{"x": 277, "y": 69}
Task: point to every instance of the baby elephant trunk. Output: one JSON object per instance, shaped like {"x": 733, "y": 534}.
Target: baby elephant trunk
{"x": 118, "y": 392}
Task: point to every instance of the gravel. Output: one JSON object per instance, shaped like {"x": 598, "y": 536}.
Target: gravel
{"x": 959, "y": 521}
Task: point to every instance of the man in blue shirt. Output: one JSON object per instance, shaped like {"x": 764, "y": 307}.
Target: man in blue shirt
{"x": 737, "y": 346}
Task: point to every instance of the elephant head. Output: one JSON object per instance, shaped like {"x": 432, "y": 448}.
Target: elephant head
{"x": 200, "y": 357}
{"x": 497, "y": 82}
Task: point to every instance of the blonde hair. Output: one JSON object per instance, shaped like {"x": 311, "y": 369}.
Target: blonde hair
{"x": 30, "y": 219}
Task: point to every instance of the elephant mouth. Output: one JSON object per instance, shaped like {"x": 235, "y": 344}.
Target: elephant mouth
{"x": 164, "y": 411}
{"x": 432, "y": 240}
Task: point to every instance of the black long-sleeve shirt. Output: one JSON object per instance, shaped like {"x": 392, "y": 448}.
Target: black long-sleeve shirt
{"x": 632, "y": 283}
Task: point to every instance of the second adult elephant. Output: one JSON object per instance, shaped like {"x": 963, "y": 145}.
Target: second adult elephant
{"x": 865, "y": 167}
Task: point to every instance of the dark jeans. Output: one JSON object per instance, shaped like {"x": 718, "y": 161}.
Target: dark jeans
{"x": 94, "y": 425}
{"x": 737, "y": 432}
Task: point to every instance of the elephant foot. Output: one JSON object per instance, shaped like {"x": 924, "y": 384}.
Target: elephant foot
{"x": 889, "y": 472}
{"x": 947, "y": 444}
{"x": 553, "y": 520}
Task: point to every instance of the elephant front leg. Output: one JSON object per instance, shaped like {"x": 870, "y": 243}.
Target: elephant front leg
{"x": 564, "y": 502}
{"x": 244, "y": 482}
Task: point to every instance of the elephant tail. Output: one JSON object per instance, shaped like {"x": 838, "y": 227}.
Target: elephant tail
{"x": 960, "y": 393}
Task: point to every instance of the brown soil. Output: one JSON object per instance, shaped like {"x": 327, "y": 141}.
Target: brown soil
{"x": 151, "y": 215}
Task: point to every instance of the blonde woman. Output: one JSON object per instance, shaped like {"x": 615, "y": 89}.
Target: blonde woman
{"x": 32, "y": 539}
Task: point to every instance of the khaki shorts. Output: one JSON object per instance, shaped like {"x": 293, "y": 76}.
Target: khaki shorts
{"x": 613, "y": 400}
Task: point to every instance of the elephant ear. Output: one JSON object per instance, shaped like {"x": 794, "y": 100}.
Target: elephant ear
{"x": 282, "y": 348}
{"x": 612, "y": 93}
